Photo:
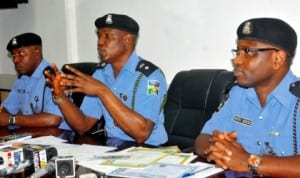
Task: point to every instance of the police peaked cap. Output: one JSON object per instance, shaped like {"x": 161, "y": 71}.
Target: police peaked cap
{"x": 269, "y": 30}
{"x": 25, "y": 39}
{"x": 118, "y": 21}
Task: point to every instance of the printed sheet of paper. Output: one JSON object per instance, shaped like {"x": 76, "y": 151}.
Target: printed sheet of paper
{"x": 134, "y": 156}
{"x": 44, "y": 140}
{"x": 138, "y": 157}
{"x": 158, "y": 170}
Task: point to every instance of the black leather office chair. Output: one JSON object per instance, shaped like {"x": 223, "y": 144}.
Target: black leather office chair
{"x": 193, "y": 96}
{"x": 87, "y": 68}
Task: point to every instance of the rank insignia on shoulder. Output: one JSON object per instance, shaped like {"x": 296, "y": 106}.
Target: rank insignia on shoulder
{"x": 153, "y": 87}
{"x": 101, "y": 65}
{"x": 146, "y": 67}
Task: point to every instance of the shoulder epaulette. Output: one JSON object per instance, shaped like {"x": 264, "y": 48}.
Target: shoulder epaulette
{"x": 146, "y": 67}
{"x": 101, "y": 65}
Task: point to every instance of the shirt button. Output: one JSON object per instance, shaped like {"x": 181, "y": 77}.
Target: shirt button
{"x": 260, "y": 117}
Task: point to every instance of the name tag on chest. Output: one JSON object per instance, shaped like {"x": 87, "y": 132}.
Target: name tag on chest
{"x": 243, "y": 121}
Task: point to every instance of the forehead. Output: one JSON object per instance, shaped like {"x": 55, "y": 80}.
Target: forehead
{"x": 253, "y": 43}
{"x": 22, "y": 48}
{"x": 110, "y": 30}
{"x": 27, "y": 49}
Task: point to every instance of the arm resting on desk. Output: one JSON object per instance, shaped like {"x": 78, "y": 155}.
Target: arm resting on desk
{"x": 36, "y": 120}
{"x": 229, "y": 153}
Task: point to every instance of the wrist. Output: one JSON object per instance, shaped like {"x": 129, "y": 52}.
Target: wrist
{"x": 58, "y": 99}
{"x": 254, "y": 162}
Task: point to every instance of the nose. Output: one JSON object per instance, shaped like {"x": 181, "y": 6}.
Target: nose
{"x": 100, "y": 42}
{"x": 16, "y": 59}
{"x": 237, "y": 60}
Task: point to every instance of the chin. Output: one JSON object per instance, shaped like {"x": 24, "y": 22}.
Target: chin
{"x": 243, "y": 84}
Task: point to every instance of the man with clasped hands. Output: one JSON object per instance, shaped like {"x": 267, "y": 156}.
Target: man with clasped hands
{"x": 256, "y": 133}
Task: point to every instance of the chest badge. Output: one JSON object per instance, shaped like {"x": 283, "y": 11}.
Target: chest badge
{"x": 243, "y": 121}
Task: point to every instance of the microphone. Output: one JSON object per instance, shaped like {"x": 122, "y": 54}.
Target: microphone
{"x": 49, "y": 169}
{"x": 9, "y": 170}
{"x": 63, "y": 166}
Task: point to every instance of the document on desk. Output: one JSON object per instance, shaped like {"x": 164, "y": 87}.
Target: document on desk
{"x": 165, "y": 170}
{"x": 158, "y": 170}
{"x": 45, "y": 140}
{"x": 82, "y": 152}
{"x": 150, "y": 162}
{"x": 203, "y": 170}
{"x": 137, "y": 157}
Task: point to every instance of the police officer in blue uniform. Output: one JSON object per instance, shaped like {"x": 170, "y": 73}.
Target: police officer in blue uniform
{"x": 29, "y": 103}
{"x": 128, "y": 91}
{"x": 256, "y": 132}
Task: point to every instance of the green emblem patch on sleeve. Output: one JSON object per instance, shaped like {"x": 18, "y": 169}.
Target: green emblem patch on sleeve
{"x": 153, "y": 87}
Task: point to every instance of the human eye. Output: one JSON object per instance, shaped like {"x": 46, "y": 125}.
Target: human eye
{"x": 22, "y": 53}
{"x": 251, "y": 52}
{"x": 18, "y": 53}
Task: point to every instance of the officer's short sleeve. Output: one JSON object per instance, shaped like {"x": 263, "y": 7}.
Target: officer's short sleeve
{"x": 151, "y": 96}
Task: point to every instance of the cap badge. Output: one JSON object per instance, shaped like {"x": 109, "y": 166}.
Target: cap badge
{"x": 247, "y": 28}
{"x": 14, "y": 42}
{"x": 109, "y": 19}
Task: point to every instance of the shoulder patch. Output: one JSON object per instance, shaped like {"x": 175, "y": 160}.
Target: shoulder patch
{"x": 101, "y": 65}
{"x": 146, "y": 67}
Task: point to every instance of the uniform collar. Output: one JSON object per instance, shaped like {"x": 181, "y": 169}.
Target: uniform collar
{"x": 40, "y": 69}
{"x": 131, "y": 63}
{"x": 281, "y": 93}
{"x": 129, "y": 66}
{"x": 38, "y": 72}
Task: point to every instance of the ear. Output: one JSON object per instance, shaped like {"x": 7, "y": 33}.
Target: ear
{"x": 127, "y": 38}
{"x": 280, "y": 59}
{"x": 128, "y": 41}
{"x": 37, "y": 50}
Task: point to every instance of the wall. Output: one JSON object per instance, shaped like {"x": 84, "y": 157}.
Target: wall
{"x": 176, "y": 35}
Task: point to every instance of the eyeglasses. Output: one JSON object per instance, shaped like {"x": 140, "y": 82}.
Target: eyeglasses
{"x": 250, "y": 52}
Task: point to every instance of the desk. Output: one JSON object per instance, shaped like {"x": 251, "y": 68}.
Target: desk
{"x": 87, "y": 139}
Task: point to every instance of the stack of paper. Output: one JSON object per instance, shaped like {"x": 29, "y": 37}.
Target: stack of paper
{"x": 165, "y": 162}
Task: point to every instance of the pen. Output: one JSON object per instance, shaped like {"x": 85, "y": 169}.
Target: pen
{"x": 111, "y": 157}
{"x": 197, "y": 171}
{"x": 100, "y": 130}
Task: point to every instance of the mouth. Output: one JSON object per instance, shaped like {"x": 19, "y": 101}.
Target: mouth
{"x": 19, "y": 69}
{"x": 237, "y": 72}
{"x": 102, "y": 53}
